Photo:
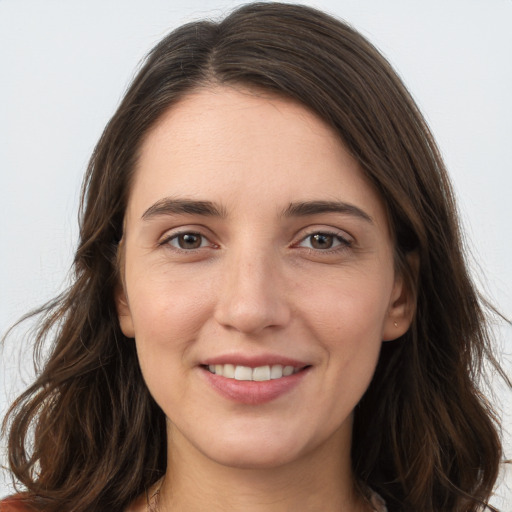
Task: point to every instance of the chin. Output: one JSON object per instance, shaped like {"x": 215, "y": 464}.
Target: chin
{"x": 251, "y": 450}
{"x": 254, "y": 458}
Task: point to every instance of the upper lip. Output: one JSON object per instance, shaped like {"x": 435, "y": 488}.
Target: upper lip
{"x": 253, "y": 361}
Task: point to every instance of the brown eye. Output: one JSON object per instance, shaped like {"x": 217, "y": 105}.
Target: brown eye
{"x": 188, "y": 241}
{"x": 322, "y": 241}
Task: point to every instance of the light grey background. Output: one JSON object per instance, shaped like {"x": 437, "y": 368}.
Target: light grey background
{"x": 65, "y": 64}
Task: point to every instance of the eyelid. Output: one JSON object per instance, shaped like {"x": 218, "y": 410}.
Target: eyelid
{"x": 345, "y": 239}
{"x": 175, "y": 233}
{"x": 342, "y": 236}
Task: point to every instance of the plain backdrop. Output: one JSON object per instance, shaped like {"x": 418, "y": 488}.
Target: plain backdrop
{"x": 64, "y": 65}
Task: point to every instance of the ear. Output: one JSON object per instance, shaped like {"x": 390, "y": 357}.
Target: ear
{"x": 402, "y": 305}
{"x": 123, "y": 312}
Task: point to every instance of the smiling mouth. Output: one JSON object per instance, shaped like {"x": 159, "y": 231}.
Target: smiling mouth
{"x": 258, "y": 374}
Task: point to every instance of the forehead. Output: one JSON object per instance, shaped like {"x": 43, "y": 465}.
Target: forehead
{"x": 240, "y": 146}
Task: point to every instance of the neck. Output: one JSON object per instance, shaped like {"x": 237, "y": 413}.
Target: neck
{"x": 317, "y": 481}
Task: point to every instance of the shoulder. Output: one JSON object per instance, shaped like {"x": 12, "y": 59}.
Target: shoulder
{"x": 15, "y": 504}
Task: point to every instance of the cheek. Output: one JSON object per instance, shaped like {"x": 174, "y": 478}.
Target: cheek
{"x": 162, "y": 299}
{"x": 346, "y": 306}
{"x": 167, "y": 317}
{"x": 167, "y": 314}
{"x": 347, "y": 320}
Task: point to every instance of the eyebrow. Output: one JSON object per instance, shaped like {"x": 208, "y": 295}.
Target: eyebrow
{"x": 307, "y": 208}
{"x": 171, "y": 206}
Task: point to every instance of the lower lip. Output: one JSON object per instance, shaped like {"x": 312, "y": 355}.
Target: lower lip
{"x": 254, "y": 392}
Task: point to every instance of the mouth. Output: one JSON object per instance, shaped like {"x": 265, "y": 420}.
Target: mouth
{"x": 253, "y": 382}
{"x": 256, "y": 374}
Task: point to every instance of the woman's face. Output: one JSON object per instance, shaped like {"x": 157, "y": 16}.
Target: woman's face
{"x": 259, "y": 280}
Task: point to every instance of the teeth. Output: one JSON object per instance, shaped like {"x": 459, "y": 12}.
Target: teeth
{"x": 259, "y": 374}
{"x": 242, "y": 373}
{"x": 287, "y": 370}
{"x": 229, "y": 371}
{"x": 276, "y": 372}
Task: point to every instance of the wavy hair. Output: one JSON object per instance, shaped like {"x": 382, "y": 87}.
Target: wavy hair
{"x": 87, "y": 435}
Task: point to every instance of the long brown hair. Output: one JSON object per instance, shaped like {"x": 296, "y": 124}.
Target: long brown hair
{"x": 425, "y": 437}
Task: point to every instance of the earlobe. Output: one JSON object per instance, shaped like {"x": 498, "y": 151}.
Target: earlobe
{"x": 123, "y": 313}
{"x": 397, "y": 324}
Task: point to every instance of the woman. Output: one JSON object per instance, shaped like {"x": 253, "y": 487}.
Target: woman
{"x": 271, "y": 310}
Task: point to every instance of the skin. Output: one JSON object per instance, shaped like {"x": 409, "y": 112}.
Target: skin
{"x": 259, "y": 283}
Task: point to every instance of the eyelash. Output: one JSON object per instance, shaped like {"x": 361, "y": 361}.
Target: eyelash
{"x": 175, "y": 236}
{"x": 342, "y": 243}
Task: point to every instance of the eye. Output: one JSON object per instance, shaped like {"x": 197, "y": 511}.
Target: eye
{"x": 187, "y": 241}
{"x": 324, "y": 241}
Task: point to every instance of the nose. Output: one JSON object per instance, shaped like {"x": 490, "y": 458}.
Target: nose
{"x": 253, "y": 294}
